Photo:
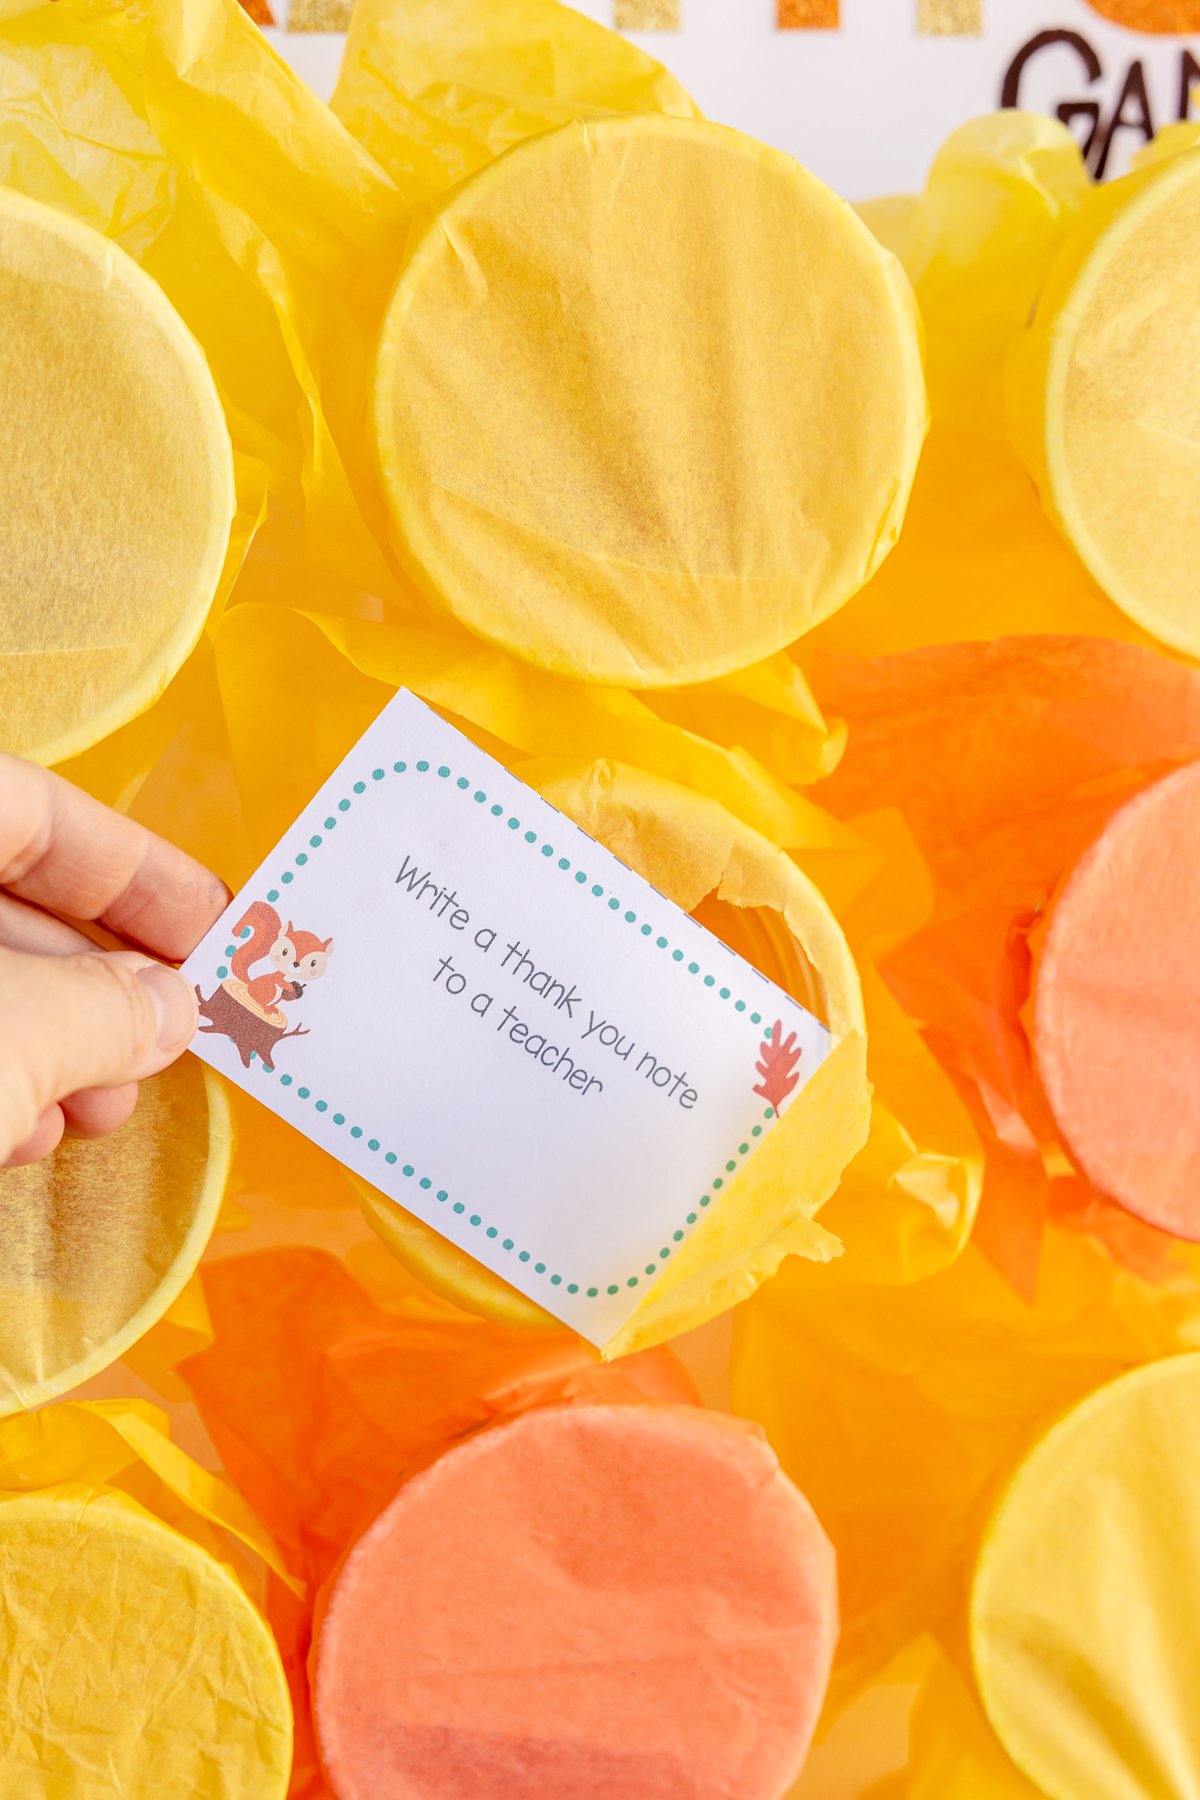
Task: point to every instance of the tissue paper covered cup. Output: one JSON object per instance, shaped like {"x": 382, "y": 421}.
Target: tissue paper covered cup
{"x": 899, "y": 1410}
{"x": 98, "y": 1239}
{"x": 648, "y": 401}
{"x": 1116, "y": 1020}
{"x": 592, "y": 1600}
{"x": 134, "y": 1662}
{"x": 116, "y": 484}
{"x": 756, "y": 900}
{"x": 1101, "y": 395}
{"x": 1086, "y": 1596}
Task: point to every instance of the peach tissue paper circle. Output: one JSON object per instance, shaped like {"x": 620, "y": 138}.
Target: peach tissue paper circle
{"x": 593, "y": 1600}
{"x": 1117, "y": 1007}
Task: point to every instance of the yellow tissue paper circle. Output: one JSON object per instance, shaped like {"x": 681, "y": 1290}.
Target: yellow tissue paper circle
{"x": 1085, "y": 1607}
{"x": 756, "y": 900}
{"x": 99, "y": 1239}
{"x": 116, "y": 484}
{"x": 648, "y": 402}
{"x": 1102, "y": 396}
{"x": 134, "y": 1663}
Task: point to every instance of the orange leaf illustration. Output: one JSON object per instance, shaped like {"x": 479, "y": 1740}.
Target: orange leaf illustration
{"x": 779, "y": 1056}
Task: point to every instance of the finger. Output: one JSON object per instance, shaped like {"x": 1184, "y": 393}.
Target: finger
{"x": 45, "y": 1137}
{"x": 25, "y": 927}
{"x": 94, "y": 1112}
{"x": 74, "y": 1022}
{"x": 64, "y": 850}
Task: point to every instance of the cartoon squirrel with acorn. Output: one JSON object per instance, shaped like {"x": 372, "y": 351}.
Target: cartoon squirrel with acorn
{"x": 292, "y": 954}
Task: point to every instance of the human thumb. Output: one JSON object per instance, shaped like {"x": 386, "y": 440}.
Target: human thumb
{"x": 86, "y": 1021}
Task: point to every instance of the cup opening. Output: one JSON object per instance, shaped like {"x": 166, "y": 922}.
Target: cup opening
{"x": 762, "y": 937}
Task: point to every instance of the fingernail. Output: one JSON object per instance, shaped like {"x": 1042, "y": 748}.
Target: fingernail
{"x": 174, "y": 1005}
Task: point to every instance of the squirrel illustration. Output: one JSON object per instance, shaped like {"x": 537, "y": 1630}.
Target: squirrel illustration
{"x": 291, "y": 954}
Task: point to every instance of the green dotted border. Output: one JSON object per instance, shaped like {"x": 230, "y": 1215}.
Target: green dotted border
{"x": 391, "y": 1157}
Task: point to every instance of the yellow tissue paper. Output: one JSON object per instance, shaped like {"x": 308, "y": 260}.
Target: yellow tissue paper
{"x": 899, "y": 1410}
{"x": 1102, "y": 395}
{"x": 178, "y": 132}
{"x": 663, "y": 443}
{"x": 163, "y": 1679}
{"x": 1170, "y": 141}
{"x": 74, "y": 134}
{"x": 116, "y": 484}
{"x": 183, "y": 1330}
{"x": 118, "y": 768}
{"x": 757, "y": 901}
{"x": 440, "y": 88}
{"x": 953, "y": 1752}
{"x": 98, "y": 1240}
{"x": 314, "y": 226}
{"x": 908, "y": 1202}
{"x": 766, "y": 710}
{"x": 977, "y": 559}
{"x": 1086, "y": 1596}
{"x": 1002, "y": 194}
{"x": 340, "y": 672}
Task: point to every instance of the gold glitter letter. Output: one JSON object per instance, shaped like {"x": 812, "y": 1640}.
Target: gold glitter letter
{"x": 647, "y": 15}
{"x": 319, "y": 15}
{"x": 950, "y": 18}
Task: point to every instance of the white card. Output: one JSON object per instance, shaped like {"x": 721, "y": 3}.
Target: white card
{"x": 498, "y": 1024}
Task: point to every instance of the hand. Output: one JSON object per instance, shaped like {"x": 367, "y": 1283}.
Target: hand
{"x": 80, "y": 1026}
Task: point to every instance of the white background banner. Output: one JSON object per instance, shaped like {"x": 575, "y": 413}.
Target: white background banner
{"x": 866, "y": 105}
